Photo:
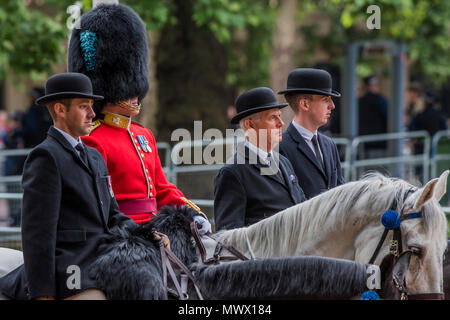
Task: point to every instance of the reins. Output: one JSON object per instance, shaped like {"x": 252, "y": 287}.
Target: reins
{"x": 216, "y": 258}
{"x": 168, "y": 259}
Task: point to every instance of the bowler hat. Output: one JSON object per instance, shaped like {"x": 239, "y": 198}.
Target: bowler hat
{"x": 254, "y": 101}
{"x": 307, "y": 80}
{"x": 67, "y": 85}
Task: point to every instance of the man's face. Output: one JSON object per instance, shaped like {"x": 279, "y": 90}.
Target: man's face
{"x": 268, "y": 129}
{"x": 411, "y": 96}
{"x": 320, "y": 109}
{"x": 78, "y": 118}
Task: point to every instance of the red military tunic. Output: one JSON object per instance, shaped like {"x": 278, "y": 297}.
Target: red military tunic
{"x": 134, "y": 166}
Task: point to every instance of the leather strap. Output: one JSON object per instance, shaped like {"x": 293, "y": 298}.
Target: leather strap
{"x": 167, "y": 266}
{"x": 426, "y": 296}
{"x": 216, "y": 258}
{"x": 399, "y": 273}
{"x": 380, "y": 243}
{"x": 180, "y": 265}
{"x": 200, "y": 246}
{"x": 229, "y": 248}
{"x": 169, "y": 259}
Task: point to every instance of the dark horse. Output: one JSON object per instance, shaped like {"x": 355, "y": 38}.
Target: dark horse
{"x": 129, "y": 267}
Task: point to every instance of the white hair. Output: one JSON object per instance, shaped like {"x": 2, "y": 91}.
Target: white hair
{"x": 254, "y": 117}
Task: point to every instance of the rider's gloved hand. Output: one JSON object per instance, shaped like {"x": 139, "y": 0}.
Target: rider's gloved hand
{"x": 202, "y": 224}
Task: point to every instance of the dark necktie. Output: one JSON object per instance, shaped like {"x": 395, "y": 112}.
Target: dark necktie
{"x": 316, "y": 151}
{"x": 83, "y": 155}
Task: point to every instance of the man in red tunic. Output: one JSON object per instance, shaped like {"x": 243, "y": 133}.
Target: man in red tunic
{"x": 111, "y": 48}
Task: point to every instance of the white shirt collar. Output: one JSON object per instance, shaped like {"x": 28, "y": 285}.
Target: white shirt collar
{"x": 261, "y": 153}
{"x": 305, "y": 133}
{"x": 73, "y": 142}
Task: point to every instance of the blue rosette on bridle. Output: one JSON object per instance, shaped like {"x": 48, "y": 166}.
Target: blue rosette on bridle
{"x": 370, "y": 295}
{"x": 88, "y": 41}
{"x": 391, "y": 220}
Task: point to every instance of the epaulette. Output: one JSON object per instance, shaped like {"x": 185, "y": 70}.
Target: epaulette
{"x": 95, "y": 125}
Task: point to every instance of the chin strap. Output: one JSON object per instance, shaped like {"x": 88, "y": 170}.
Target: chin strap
{"x": 128, "y": 106}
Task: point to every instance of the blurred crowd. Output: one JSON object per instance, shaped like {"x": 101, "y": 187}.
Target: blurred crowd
{"x": 19, "y": 130}
{"x": 422, "y": 111}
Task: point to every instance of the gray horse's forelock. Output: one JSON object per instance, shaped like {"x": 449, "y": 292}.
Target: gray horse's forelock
{"x": 297, "y": 277}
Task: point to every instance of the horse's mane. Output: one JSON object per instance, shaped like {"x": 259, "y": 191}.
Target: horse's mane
{"x": 330, "y": 211}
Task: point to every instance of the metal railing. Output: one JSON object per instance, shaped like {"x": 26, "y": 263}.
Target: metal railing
{"x": 423, "y": 158}
{"x": 435, "y": 157}
{"x": 177, "y": 166}
{"x": 346, "y": 162}
{"x": 167, "y": 164}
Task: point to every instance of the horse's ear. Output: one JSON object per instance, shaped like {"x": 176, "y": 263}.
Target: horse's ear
{"x": 441, "y": 186}
{"x": 426, "y": 194}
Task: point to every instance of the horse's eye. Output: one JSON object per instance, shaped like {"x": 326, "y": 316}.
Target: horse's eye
{"x": 416, "y": 250}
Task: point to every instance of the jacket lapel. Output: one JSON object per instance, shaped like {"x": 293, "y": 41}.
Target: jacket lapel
{"x": 66, "y": 145}
{"x": 252, "y": 159}
{"x": 304, "y": 148}
{"x": 94, "y": 165}
{"x": 325, "y": 153}
{"x": 289, "y": 182}
{"x": 93, "y": 161}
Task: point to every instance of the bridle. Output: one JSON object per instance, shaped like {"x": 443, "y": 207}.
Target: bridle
{"x": 401, "y": 258}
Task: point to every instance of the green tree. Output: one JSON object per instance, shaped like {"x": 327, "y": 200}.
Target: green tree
{"x": 247, "y": 59}
{"x": 30, "y": 42}
{"x": 422, "y": 24}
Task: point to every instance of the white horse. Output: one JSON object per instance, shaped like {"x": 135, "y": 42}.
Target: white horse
{"x": 9, "y": 260}
{"x": 345, "y": 222}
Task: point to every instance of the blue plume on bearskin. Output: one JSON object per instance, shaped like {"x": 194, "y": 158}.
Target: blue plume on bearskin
{"x": 89, "y": 48}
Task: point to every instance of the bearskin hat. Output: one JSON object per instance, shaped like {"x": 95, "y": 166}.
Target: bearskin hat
{"x": 111, "y": 48}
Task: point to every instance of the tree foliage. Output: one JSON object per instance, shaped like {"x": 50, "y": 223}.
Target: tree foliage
{"x": 30, "y": 42}
{"x": 422, "y": 24}
{"x": 248, "y": 58}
